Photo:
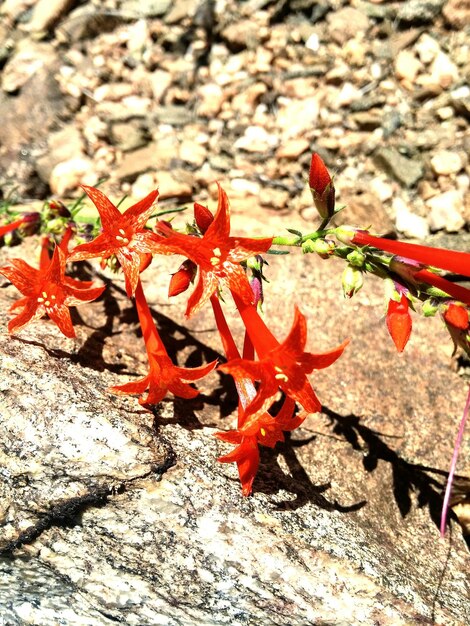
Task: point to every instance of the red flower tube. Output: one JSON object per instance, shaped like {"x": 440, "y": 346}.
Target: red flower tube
{"x": 449, "y": 260}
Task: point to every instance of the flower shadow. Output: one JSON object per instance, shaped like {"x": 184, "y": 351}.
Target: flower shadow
{"x": 407, "y": 478}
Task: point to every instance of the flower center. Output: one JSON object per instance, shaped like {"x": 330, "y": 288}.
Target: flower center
{"x": 123, "y": 237}
{"x": 280, "y": 374}
{"x": 50, "y": 296}
{"x": 215, "y": 259}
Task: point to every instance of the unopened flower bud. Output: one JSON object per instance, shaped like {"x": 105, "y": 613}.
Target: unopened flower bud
{"x": 162, "y": 227}
{"x": 345, "y": 234}
{"x": 145, "y": 260}
{"x": 255, "y": 263}
{"x": 56, "y": 226}
{"x": 31, "y": 223}
{"x": 257, "y": 288}
{"x": 181, "y": 279}
{"x": 457, "y": 316}
{"x": 429, "y": 308}
{"x": 58, "y": 209}
{"x": 203, "y": 217}
{"x": 322, "y": 247}
{"x": 321, "y": 186}
{"x": 356, "y": 258}
{"x": 352, "y": 280}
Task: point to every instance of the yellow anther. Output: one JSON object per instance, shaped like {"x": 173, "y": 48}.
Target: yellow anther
{"x": 123, "y": 240}
{"x": 41, "y": 300}
{"x": 217, "y": 252}
{"x": 53, "y": 297}
{"x": 263, "y": 432}
{"x": 44, "y": 294}
{"x": 281, "y": 377}
{"x": 47, "y": 303}
{"x": 122, "y": 231}
{"x": 215, "y": 260}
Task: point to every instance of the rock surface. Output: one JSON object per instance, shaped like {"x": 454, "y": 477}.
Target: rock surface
{"x": 112, "y": 513}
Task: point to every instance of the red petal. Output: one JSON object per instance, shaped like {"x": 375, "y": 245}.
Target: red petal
{"x": 109, "y": 214}
{"x": 22, "y": 275}
{"x": 220, "y": 227}
{"x": 60, "y": 315}
{"x": 138, "y": 214}
{"x": 30, "y": 313}
{"x": 399, "y": 322}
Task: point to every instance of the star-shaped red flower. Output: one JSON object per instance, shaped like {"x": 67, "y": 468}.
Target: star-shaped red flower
{"x": 216, "y": 254}
{"x": 264, "y": 430}
{"x": 281, "y": 365}
{"x": 123, "y": 234}
{"x": 163, "y": 376}
{"x": 46, "y": 291}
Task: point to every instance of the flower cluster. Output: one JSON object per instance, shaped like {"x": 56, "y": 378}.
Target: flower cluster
{"x": 271, "y": 377}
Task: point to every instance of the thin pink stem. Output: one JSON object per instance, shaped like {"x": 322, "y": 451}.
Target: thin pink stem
{"x": 453, "y": 465}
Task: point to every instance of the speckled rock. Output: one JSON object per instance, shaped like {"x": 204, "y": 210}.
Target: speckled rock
{"x": 126, "y": 515}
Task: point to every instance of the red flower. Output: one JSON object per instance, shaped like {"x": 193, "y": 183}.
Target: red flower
{"x": 321, "y": 186}
{"x": 399, "y": 322}
{"x": 122, "y": 234}
{"x": 47, "y": 291}
{"x": 281, "y": 365}
{"x": 265, "y": 430}
{"x": 163, "y": 376}
{"x": 216, "y": 254}
{"x": 254, "y": 429}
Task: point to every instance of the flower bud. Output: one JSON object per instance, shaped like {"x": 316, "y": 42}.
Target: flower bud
{"x": 345, "y": 234}
{"x": 181, "y": 279}
{"x": 399, "y": 322}
{"x": 429, "y": 308}
{"x": 203, "y": 217}
{"x": 257, "y": 288}
{"x": 352, "y": 280}
{"x": 457, "y": 316}
{"x": 145, "y": 260}
{"x": 356, "y": 258}
{"x": 31, "y": 223}
{"x": 163, "y": 227}
{"x": 322, "y": 247}
{"x": 321, "y": 186}
{"x": 58, "y": 209}
{"x": 405, "y": 268}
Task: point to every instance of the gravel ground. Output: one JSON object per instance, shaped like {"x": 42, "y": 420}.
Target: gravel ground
{"x": 179, "y": 94}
